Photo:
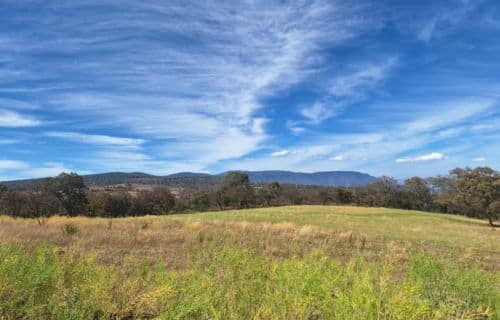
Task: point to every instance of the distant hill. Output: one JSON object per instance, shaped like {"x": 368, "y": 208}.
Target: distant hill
{"x": 326, "y": 178}
{"x": 193, "y": 180}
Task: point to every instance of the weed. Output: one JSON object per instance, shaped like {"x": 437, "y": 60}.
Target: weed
{"x": 69, "y": 229}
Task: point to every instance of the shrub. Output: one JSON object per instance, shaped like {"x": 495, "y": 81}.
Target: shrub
{"x": 69, "y": 229}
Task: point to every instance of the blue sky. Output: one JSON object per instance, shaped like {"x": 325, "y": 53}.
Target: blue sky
{"x": 385, "y": 87}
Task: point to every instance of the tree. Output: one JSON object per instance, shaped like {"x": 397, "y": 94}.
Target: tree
{"x": 343, "y": 195}
{"x": 269, "y": 192}
{"x": 15, "y": 203}
{"x": 442, "y": 190}
{"x": 117, "y": 204}
{"x": 159, "y": 201}
{"x": 494, "y": 211}
{"x": 386, "y": 192}
{"x": 235, "y": 190}
{"x": 70, "y": 189}
{"x": 291, "y": 194}
{"x": 41, "y": 201}
{"x": 199, "y": 202}
{"x": 323, "y": 195}
{"x": 3, "y": 189}
{"x": 96, "y": 204}
{"x": 476, "y": 191}
{"x": 419, "y": 194}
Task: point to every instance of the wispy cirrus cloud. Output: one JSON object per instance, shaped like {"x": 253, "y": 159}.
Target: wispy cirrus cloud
{"x": 97, "y": 139}
{"x": 337, "y": 158}
{"x": 362, "y": 78}
{"x": 384, "y": 145}
{"x": 348, "y": 88}
{"x": 425, "y": 157}
{"x": 317, "y": 113}
{"x": 11, "y": 119}
{"x": 281, "y": 153}
{"x": 12, "y": 164}
{"x": 445, "y": 19}
{"x": 197, "y": 81}
{"x": 206, "y": 86}
{"x": 8, "y": 141}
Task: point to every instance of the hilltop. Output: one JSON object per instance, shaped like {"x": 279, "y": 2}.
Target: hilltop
{"x": 194, "y": 180}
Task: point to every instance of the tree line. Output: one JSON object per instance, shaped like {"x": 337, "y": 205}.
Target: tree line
{"x": 473, "y": 192}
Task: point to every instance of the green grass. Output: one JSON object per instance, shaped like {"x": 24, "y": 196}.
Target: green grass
{"x": 238, "y": 284}
{"x": 375, "y": 223}
{"x": 250, "y": 264}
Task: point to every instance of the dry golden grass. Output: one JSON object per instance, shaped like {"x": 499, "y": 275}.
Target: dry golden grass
{"x": 278, "y": 263}
{"x": 381, "y": 224}
{"x": 170, "y": 239}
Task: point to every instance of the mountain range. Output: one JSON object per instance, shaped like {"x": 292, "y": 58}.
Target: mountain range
{"x": 194, "y": 180}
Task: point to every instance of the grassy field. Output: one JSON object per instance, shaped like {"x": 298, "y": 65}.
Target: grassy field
{"x": 376, "y": 224}
{"x": 302, "y": 262}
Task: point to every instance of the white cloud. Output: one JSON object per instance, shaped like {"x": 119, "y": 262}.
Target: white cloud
{"x": 184, "y": 90}
{"x": 450, "y": 113}
{"x": 317, "y": 113}
{"x": 15, "y": 169}
{"x": 12, "y": 165}
{"x": 97, "y": 139}
{"x": 479, "y": 159}
{"x": 295, "y": 127}
{"x": 348, "y": 88}
{"x": 281, "y": 153}
{"x": 49, "y": 169}
{"x": 375, "y": 150}
{"x": 337, "y": 158}
{"x": 10, "y": 119}
{"x": 122, "y": 156}
{"x": 258, "y": 126}
{"x": 445, "y": 20}
{"x": 8, "y": 141}
{"x": 365, "y": 77}
{"x": 425, "y": 157}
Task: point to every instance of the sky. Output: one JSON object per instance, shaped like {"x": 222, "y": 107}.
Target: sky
{"x": 398, "y": 88}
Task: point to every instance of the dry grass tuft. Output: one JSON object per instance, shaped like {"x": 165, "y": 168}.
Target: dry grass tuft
{"x": 172, "y": 239}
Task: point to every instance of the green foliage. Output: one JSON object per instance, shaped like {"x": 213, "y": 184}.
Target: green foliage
{"x": 232, "y": 283}
{"x": 3, "y": 189}
{"x": 470, "y": 192}
{"x": 268, "y": 193}
{"x": 70, "y": 189}
{"x": 475, "y": 190}
{"x": 494, "y": 210}
{"x": 116, "y": 204}
{"x": 419, "y": 194}
{"x": 158, "y": 202}
{"x": 44, "y": 285}
{"x": 453, "y": 291}
{"x": 15, "y": 203}
{"x": 235, "y": 191}
{"x": 199, "y": 202}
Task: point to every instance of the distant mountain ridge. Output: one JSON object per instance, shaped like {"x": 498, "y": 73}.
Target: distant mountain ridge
{"x": 195, "y": 180}
{"x": 324, "y": 178}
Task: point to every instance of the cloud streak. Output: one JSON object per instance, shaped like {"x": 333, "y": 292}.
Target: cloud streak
{"x": 162, "y": 87}
{"x": 425, "y": 157}
{"x": 11, "y": 119}
{"x": 281, "y": 153}
{"x": 97, "y": 139}
{"x": 206, "y": 86}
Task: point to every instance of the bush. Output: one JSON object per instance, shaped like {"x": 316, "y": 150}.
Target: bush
{"x": 69, "y": 229}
